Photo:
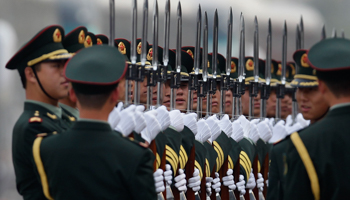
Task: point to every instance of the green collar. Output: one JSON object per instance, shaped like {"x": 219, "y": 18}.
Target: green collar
{"x": 339, "y": 106}
{"x": 73, "y": 111}
{"x": 55, "y": 110}
{"x": 92, "y": 120}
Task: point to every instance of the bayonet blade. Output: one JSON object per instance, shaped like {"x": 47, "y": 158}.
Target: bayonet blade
{"x": 256, "y": 50}
{"x": 241, "y": 58}
{"x": 179, "y": 38}
{"x": 297, "y": 38}
{"x": 166, "y": 34}
{"x": 215, "y": 44}
{"x": 133, "y": 33}
{"x": 155, "y": 37}
{"x": 284, "y": 54}
{"x": 323, "y": 33}
{"x": 198, "y": 41}
{"x": 229, "y": 42}
{"x": 144, "y": 33}
{"x": 334, "y": 33}
{"x": 342, "y": 33}
{"x": 301, "y": 33}
{"x": 205, "y": 48}
{"x": 111, "y": 22}
{"x": 268, "y": 54}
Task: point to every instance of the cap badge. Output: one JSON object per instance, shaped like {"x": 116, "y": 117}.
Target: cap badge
{"x": 279, "y": 71}
{"x": 190, "y": 52}
{"x": 150, "y": 54}
{"x": 139, "y": 48}
{"x": 81, "y": 37}
{"x": 121, "y": 48}
{"x": 249, "y": 65}
{"x": 57, "y": 36}
{"x": 88, "y": 41}
{"x": 99, "y": 41}
{"x": 233, "y": 67}
{"x": 303, "y": 60}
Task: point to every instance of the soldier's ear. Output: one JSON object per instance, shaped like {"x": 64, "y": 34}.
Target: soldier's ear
{"x": 29, "y": 74}
{"x": 72, "y": 95}
{"x": 115, "y": 95}
{"x": 322, "y": 87}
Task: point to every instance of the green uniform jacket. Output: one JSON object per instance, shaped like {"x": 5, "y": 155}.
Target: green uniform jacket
{"x": 35, "y": 119}
{"x": 327, "y": 143}
{"x": 91, "y": 161}
{"x": 172, "y": 148}
{"x": 247, "y": 157}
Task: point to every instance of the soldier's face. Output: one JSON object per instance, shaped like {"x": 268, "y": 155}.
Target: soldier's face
{"x": 143, "y": 93}
{"x": 181, "y": 96}
{"x": 51, "y": 77}
{"x": 228, "y": 102}
{"x": 166, "y": 97}
{"x": 286, "y": 106}
{"x": 311, "y": 103}
{"x": 245, "y": 103}
{"x": 215, "y": 102}
{"x": 121, "y": 90}
{"x": 194, "y": 105}
{"x": 271, "y": 104}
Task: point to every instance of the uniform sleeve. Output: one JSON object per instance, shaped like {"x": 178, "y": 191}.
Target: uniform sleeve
{"x": 274, "y": 185}
{"x": 142, "y": 184}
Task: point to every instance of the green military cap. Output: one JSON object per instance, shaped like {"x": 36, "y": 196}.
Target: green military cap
{"x": 149, "y": 56}
{"x": 90, "y": 40}
{"x": 249, "y": 69}
{"x": 186, "y": 64}
{"x": 102, "y": 39}
{"x": 96, "y": 70}
{"x": 234, "y": 68}
{"x": 44, "y": 46}
{"x": 138, "y": 51}
{"x": 305, "y": 76}
{"x": 290, "y": 72}
{"x": 74, "y": 40}
{"x": 330, "y": 55}
{"x": 276, "y": 72}
{"x": 190, "y": 50}
{"x": 262, "y": 67}
{"x": 210, "y": 66}
{"x": 123, "y": 47}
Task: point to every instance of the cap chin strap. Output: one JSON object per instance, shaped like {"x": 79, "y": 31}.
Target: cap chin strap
{"x": 42, "y": 88}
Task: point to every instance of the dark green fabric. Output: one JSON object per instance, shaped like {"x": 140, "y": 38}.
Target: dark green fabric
{"x": 262, "y": 150}
{"x": 23, "y": 136}
{"x": 74, "y": 40}
{"x": 290, "y": 72}
{"x": 68, "y": 118}
{"x": 249, "y": 68}
{"x": 91, "y": 161}
{"x": 225, "y": 145}
{"x": 234, "y": 68}
{"x": 187, "y": 138}
{"x": 327, "y": 142}
{"x": 92, "y": 37}
{"x": 174, "y": 140}
{"x": 201, "y": 153}
{"x": 250, "y": 149}
{"x": 102, "y": 39}
{"x": 330, "y": 54}
{"x": 191, "y": 51}
{"x": 186, "y": 64}
{"x": 211, "y": 156}
{"x": 161, "y": 140}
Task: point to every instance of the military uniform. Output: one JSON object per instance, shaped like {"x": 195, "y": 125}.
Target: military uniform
{"x": 37, "y": 117}
{"x": 316, "y": 159}
{"x": 90, "y": 160}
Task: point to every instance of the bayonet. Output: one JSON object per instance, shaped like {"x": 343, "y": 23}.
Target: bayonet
{"x": 342, "y": 33}
{"x": 111, "y": 22}
{"x": 241, "y": 62}
{"x": 193, "y": 82}
{"x": 254, "y": 85}
{"x": 134, "y": 68}
{"x": 334, "y": 33}
{"x": 301, "y": 33}
{"x": 294, "y": 102}
{"x": 155, "y": 62}
{"x": 297, "y": 38}
{"x": 323, "y": 33}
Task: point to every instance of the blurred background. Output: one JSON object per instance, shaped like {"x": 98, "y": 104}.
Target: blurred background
{"x": 20, "y": 20}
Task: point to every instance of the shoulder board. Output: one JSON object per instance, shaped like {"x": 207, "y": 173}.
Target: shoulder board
{"x": 41, "y": 135}
{"x": 35, "y": 120}
{"x": 142, "y": 144}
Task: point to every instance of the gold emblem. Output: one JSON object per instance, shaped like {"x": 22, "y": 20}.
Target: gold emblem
{"x": 208, "y": 64}
{"x": 279, "y": 71}
{"x": 233, "y": 67}
{"x": 249, "y": 65}
{"x": 190, "y": 53}
{"x": 54, "y": 133}
{"x": 88, "y": 42}
{"x": 52, "y": 116}
{"x": 314, "y": 72}
{"x": 150, "y": 54}
{"x": 287, "y": 74}
{"x": 41, "y": 135}
{"x": 139, "y": 48}
{"x": 81, "y": 37}
{"x": 272, "y": 68}
{"x": 72, "y": 119}
{"x": 99, "y": 41}
{"x": 35, "y": 119}
{"x": 36, "y": 114}
{"x": 303, "y": 60}
{"x": 122, "y": 48}
{"x": 293, "y": 69}
{"x": 57, "y": 36}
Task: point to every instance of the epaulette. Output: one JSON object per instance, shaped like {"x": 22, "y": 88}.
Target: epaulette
{"x": 142, "y": 144}
{"x": 41, "y": 135}
{"x": 35, "y": 120}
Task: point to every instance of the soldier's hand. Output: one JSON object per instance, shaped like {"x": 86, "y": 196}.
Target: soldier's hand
{"x": 260, "y": 182}
{"x": 216, "y": 183}
{"x": 279, "y": 132}
{"x": 228, "y": 180}
{"x": 168, "y": 174}
{"x": 127, "y": 122}
{"x": 195, "y": 182}
{"x": 208, "y": 181}
{"x": 176, "y": 120}
{"x": 241, "y": 185}
{"x": 237, "y": 131}
{"x": 113, "y": 118}
{"x": 214, "y": 127}
{"x": 265, "y": 132}
{"x": 226, "y": 126}
{"x": 180, "y": 181}
{"x": 251, "y": 181}
{"x": 163, "y": 117}
{"x": 254, "y": 133}
{"x": 158, "y": 180}
{"x": 190, "y": 120}
{"x": 152, "y": 128}
{"x": 140, "y": 121}
{"x": 245, "y": 125}
{"x": 203, "y": 133}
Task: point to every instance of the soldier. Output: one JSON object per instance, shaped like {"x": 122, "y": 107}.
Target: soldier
{"x": 81, "y": 162}
{"x": 40, "y": 65}
{"x": 312, "y": 107}
{"x": 316, "y": 162}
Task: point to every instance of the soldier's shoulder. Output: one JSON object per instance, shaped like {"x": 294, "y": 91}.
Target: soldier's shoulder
{"x": 134, "y": 144}
{"x": 282, "y": 141}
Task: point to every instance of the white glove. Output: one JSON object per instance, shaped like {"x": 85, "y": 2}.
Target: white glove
{"x": 168, "y": 174}
{"x": 245, "y": 125}
{"x": 126, "y": 123}
{"x": 153, "y": 127}
{"x": 265, "y": 132}
{"x": 304, "y": 123}
{"x": 228, "y": 180}
{"x": 208, "y": 181}
{"x": 251, "y": 181}
{"x": 140, "y": 121}
{"x": 180, "y": 181}
{"x": 254, "y": 133}
{"x": 158, "y": 180}
{"x": 176, "y": 120}
{"x": 237, "y": 131}
{"x": 267, "y": 181}
{"x": 241, "y": 185}
{"x": 163, "y": 117}
{"x": 204, "y": 132}
{"x": 272, "y": 122}
{"x": 216, "y": 183}
{"x": 214, "y": 128}
{"x": 279, "y": 132}
{"x": 190, "y": 120}
{"x": 260, "y": 182}
{"x": 195, "y": 182}
{"x": 113, "y": 117}
{"x": 226, "y": 126}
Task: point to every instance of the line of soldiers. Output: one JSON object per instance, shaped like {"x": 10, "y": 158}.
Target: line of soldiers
{"x": 194, "y": 132}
